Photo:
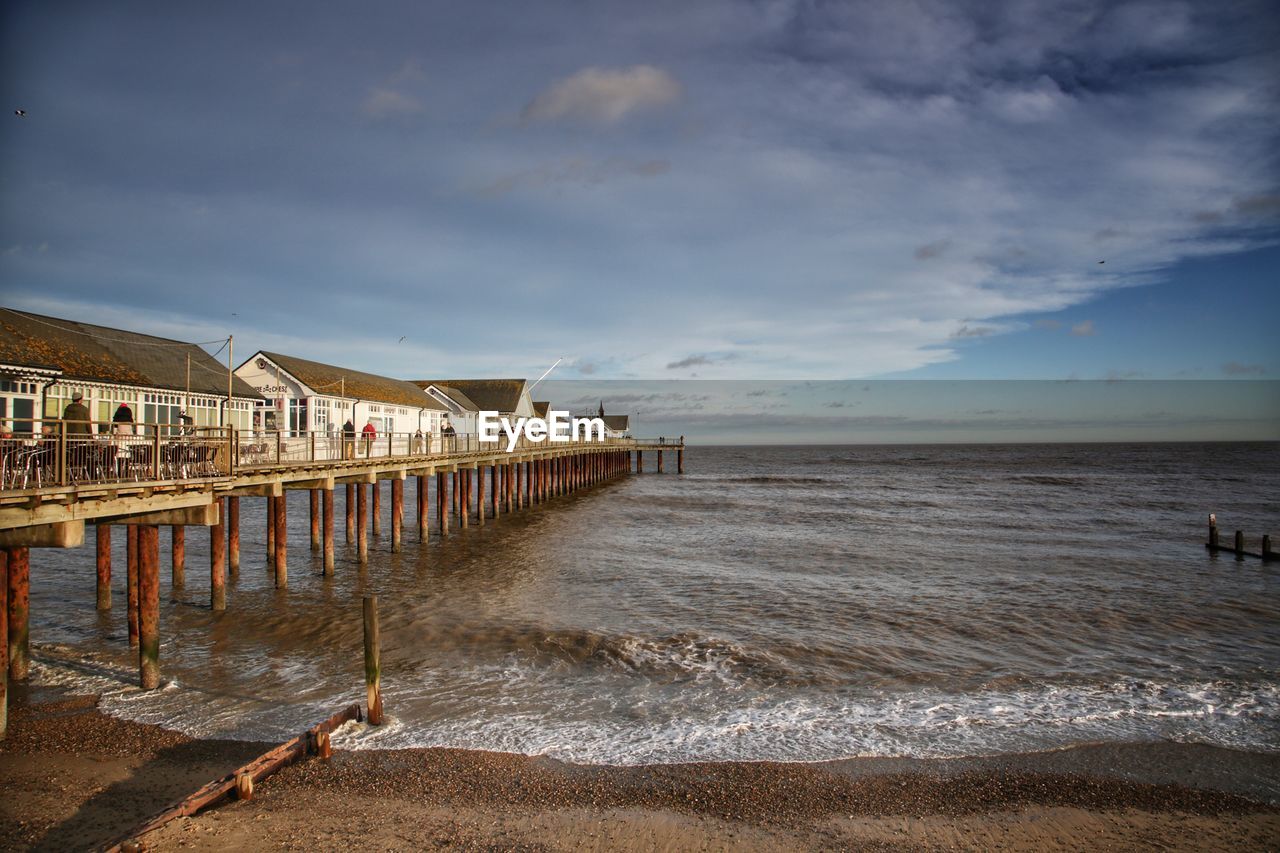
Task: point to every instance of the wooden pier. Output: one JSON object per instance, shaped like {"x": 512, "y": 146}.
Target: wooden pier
{"x": 56, "y": 514}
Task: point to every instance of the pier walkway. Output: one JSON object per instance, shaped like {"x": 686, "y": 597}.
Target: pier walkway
{"x": 53, "y": 486}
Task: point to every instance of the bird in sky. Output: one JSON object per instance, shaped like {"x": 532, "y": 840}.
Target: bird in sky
{"x": 402, "y": 337}
{"x": 20, "y": 113}
{"x": 1102, "y": 262}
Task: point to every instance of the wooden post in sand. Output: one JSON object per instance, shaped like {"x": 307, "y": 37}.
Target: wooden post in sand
{"x": 1266, "y": 548}
{"x": 104, "y": 565}
{"x": 178, "y": 576}
{"x": 372, "y": 660}
{"x": 1213, "y": 530}
{"x": 18, "y": 636}
{"x": 149, "y": 606}
{"x": 217, "y": 563}
{"x": 131, "y": 582}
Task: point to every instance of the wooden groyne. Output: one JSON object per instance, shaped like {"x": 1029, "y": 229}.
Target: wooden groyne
{"x": 54, "y": 513}
{"x": 1237, "y": 545}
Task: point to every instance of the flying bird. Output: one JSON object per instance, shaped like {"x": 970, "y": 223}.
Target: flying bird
{"x": 1102, "y": 262}
{"x": 20, "y": 113}
{"x": 402, "y": 337}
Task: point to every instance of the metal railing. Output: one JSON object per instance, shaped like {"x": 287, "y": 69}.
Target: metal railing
{"x": 46, "y": 453}
{"x": 37, "y": 454}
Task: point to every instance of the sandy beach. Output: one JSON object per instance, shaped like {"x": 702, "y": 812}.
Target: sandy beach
{"x": 75, "y": 778}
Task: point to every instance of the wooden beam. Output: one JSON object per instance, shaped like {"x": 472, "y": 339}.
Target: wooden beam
{"x": 64, "y": 534}
{"x": 51, "y": 513}
{"x": 201, "y": 516}
{"x": 257, "y": 490}
{"x": 368, "y": 478}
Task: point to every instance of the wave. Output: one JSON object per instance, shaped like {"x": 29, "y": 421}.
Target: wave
{"x": 777, "y": 480}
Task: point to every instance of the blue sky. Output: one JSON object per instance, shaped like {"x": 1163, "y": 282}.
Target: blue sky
{"x": 707, "y": 190}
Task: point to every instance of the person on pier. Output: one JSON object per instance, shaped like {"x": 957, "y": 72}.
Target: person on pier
{"x": 79, "y": 430}
{"x": 370, "y": 434}
{"x": 122, "y": 420}
{"x": 348, "y": 440}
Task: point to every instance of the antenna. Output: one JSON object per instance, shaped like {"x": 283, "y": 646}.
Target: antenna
{"x": 544, "y": 376}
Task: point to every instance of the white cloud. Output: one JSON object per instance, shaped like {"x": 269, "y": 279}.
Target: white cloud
{"x": 604, "y": 95}
{"x": 382, "y": 103}
{"x": 1084, "y": 329}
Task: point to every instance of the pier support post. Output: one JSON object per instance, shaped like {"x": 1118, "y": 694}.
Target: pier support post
{"x": 639, "y": 461}
{"x": 1239, "y": 544}
{"x": 233, "y": 535}
{"x": 19, "y": 595}
{"x": 217, "y": 562}
{"x": 149, "y": 606}
{"x": 375, "y": 498}
{"x": 457, "y": 487}
{"x": 351, "y": 513}
{"x": 271, "y": 530}
{"x": 4, "y": 642}
{"x": 282, "y": 540}
{"x": 680, "y": 461}
{"x": 131, "y": 581}
{"x": 178, "y": 557}
{"x": 423, "y": 513}
{"x": 659, "y": 461}
{"x": 104, "y": 565}
{"x": 495, "y": 484}
{"x": 397, "y": 513}
{"x": 315, "y": 519}
{"x": 442, "y": 502}
{"x": 362, "y": 524}
{"x": 327, "y": 506}
{"x": 372, "y": 660}
{"x": 464, "y": 497}
{"x": 480, "y": 495}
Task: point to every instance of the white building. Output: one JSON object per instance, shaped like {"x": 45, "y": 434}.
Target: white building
{"x": 306, "y": 396}
{"x": 44, "y": 361}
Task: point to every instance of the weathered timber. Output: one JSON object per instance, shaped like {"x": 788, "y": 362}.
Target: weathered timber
{"x": 131, "y": 582}
{"x": 372, "y": 660}
{"x": 18, "y": 636}
{"x": 178, "y": 557}
{"x": 281, "y": 522}
{"x": 397, "y": 513}
{"x": 104, "y": 565}
{"x": 4, "y": 642}
{"x": 61, "y": 534}
{"x": 217, "y": 567}
{"x": 149, "y": 606}
{"x": 327, "y": 506}
{"x": 233, "y": 535}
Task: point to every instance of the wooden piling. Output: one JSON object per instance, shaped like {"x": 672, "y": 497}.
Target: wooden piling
{"x": 271, "y": 530}
{"x": 217, "y": 562}
{"x": 464, "y": 497}
{"x": 1266, "y": 548}
{"x": 327, "y": 507}
{"x": 131, "y": 581}
{"x": 362, "y": 524}
{"x": 4, "y": 642}
{"x": 442, "y": 502}
{"x": 397, "y": 513}
{"x": 372, "y": 660}
{"x": 315, "y": 519}
{"x": 480, "y": 495}
{"x": 282, "y": 540}
{"x": 1213, "y": 530}
{"x": 659, "y": 461}
{"x": 104, "y": 565}
{"x": 639, "y": 461}
{"x": 19, "y": 602}
{"x": 1239, "y": 544}
{"x": 457, "y": 480}
{"x": 375, "y": 495}
{"x": 233, "y": 535}
{"x": 423, "y": 507}
{"x": 495, "y": 484}
{"x": 351, "y": 513}
{"x": 148, "y": 606}
{"x": 178, "y": 557}
{"x": 680, "y": 461}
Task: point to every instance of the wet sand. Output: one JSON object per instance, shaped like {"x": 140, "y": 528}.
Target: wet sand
{"x": 74, "y": 778}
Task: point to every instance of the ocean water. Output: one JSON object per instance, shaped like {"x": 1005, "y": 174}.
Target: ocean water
{"x": 788, "y": 603}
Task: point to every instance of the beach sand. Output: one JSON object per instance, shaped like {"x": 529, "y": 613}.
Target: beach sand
{"x": 73, "y": 778}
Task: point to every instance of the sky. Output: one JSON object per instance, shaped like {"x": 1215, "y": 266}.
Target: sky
{"x": 657, "y": 191}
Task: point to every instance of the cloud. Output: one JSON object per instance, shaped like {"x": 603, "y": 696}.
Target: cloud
{"x": 604, "y": 95}
{"x": 690, "y": 361}
{"x": 1045, "y": 323}
{"x": 932, "y": 250}
{"x": 384, "y": 103}
{"x": 1258, "y": 205}
{"x": 585, "y": 173}
{"x": 967, "y": 331}
{"x": 1235, "y": 368}
{"x": 1084, "y": 329}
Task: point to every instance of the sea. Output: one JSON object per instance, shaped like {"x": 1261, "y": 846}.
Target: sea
{"x": 772, "y": 603}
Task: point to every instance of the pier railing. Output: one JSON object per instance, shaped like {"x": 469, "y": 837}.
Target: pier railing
{"x": 39, "y": 454}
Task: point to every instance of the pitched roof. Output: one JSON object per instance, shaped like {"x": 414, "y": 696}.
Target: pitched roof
{"x": 330, "y": 380}
{"x": 495, "y": 395}
{"x": 101, "y": 354}
{"x": 617, "y": 423}
{"x": 541, "y": 408}
{"x": 461, "y": 400}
